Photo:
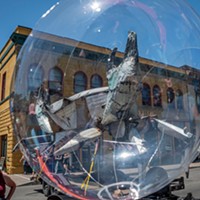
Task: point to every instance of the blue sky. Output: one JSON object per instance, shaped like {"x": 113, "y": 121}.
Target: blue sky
{"x": 20, "y": 12}
{"x": 28, "y": 12}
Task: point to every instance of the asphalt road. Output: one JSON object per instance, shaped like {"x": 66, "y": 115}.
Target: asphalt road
{"x": 192, "y": 184}
{"x": 29, "y": 192}
{"x": 34, "y": 192}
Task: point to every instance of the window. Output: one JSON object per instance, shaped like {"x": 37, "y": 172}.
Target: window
{"x": 179, "y": 99}
{"x": 80, "y": 82}
{"x": 3, "y": 146}
{"x": 197, "y": 93}
{"x": 157, "y": 98}
{"x": 35, "y": 77}
{"x": 170, "y": 98}
{"x": 96, "y": 81}
{"x": 146, "y": 94}
{"x": 55, "y": 81}
{"x": 3, "y": 90}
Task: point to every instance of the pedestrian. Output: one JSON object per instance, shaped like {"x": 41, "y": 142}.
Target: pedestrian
{"x": 66, "y": 163}
{"x": 25, "y": 164}
{"x": 5, "y": 180}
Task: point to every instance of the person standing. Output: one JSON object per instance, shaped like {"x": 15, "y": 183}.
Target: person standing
{"x": 5, "y": 180}
{"x": 25, "y": 164}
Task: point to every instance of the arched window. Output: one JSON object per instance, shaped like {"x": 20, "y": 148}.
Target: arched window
{"x": 146, "y": 94}
{"x": 80, "y": 82}
{"x": 179, "y": 99}
{"x": 157, "y": 98}
{"x": 96, "y": 81}
{"x": 55, "y": 81}
{"x": 197, "y": 93}
{"x": 35, "y": 77}
{"x": 170, "y": 98}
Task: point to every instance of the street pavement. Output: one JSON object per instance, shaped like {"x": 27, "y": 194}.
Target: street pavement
{"x": 26, "y": 189}
{"x": 23, "y": 181}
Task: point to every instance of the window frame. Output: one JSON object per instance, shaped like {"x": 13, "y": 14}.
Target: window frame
{"x": 78, "y": 85}
{"x": 144, "y": 102}
{"x": 54, "y": 81}
{"x": 170, "y": 101}
{"x": 155, "y": 96}
{"x": 39, "y": 80}
{"x": 3, "y": 86}
{"x": 179, "y": 100}
{"x": 94, "y": 83}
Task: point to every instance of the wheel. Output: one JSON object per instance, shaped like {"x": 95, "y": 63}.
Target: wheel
{"x": 54, "y": 197}
{"x": 46, "y": 189}
{"x": 59, "y": 197}
{"x": 54, "y": 191}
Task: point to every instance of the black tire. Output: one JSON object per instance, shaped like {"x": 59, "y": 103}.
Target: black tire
{"x": 54, "y": 191}
{"x": 46, "y": 189}
{"x": 59, "y": 197}
{"x": 54, "y": 197}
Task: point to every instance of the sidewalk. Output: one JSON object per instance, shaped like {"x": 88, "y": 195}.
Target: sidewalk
{"x": 22, "y": 179}
{"x": 195, "y": 164}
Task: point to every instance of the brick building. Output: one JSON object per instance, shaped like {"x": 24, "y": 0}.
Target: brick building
{"x": 164, "y": 86}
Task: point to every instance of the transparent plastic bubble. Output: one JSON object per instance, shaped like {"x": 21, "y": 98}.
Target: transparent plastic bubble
{"x": 107, "y": 97}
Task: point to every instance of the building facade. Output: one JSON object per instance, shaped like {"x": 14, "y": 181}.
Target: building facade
{"x": 164, "y": 86}
{"x": 8, "y": 57}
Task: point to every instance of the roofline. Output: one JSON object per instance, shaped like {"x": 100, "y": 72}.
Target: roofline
{"x": 15, "y": 31}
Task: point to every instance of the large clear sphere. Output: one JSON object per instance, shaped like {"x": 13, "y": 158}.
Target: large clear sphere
{"x": 106, "y": 98}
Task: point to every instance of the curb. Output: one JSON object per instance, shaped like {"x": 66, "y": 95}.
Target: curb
{"x": 194, "y": 165}
{"x": 28, "y": 183}
{"x": 23, "y": 180}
